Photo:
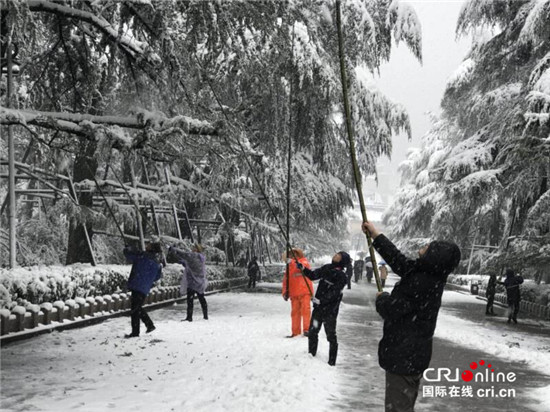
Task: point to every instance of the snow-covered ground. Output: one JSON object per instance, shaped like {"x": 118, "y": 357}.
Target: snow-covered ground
{"x": 491, "y": 337}
{"x": 239, "y": 360}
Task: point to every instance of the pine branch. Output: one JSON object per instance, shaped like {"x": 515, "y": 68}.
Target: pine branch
{"x": 133, "y": 47}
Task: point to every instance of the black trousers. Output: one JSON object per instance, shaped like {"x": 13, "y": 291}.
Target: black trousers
{"x": 383, "y": 281}
{"x": 190, "y": 295}
{"x": 318, "y": 318}
{"x": 401, "y": 392}
{"x": 252, "y": 281}
{"x": 513, "y": 309}
{"x": 490, "y": 301}
{"x": 138, "y": 313}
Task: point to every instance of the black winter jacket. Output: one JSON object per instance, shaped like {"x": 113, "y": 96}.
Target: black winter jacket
{"x": 329, "y": 291}
{"x": 511, "y": 283}
{"x": 491, "y": 286}
{"x": 410, "y": 311}
{"x": 253, "y": 268}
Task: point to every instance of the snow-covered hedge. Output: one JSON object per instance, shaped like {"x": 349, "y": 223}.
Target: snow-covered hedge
{"x": 530, "y": 291}
{"x": 25, "y": 286}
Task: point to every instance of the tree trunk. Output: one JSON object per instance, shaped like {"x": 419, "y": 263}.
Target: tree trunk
{"x": 85, "y": 166}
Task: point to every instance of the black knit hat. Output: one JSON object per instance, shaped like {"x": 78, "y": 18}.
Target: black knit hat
{"x": 346, "y": 259}
{"x": 441, "y": 258}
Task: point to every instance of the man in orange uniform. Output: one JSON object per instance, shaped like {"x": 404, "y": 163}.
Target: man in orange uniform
{"x": 299, "y": 290}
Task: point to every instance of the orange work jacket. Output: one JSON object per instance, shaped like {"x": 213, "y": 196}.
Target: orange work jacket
{"x": 298, "y": 284}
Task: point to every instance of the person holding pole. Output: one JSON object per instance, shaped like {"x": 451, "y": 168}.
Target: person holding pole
{"x": 146, "y": 270}
{"x": 326, "y": 304}
{"x": 298, "y": 288}
{"x": 410, "y": 314}
{"x": 194, "y": 280}
{"x": 513, "y": 294}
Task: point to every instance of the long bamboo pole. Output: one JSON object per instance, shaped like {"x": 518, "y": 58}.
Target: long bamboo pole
{"x": 356, "y": 171}
{"x": 12, "y": 212}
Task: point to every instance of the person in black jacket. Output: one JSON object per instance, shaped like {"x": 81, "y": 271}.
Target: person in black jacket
{"x": 327, "y": 300}
{"x": 410, "y": 314}
{"x": 490, "y": 294}
{"x": 513, "y": 296}
{"x": 253, "y": 270}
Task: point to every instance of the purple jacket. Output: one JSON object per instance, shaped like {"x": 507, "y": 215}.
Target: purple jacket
{"x": 195, "y": 270}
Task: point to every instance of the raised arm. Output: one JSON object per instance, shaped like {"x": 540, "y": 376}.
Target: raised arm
{"x": 313, "y": 274}
{"x": 182, "y": 255}
{"x": 399, "y": 263}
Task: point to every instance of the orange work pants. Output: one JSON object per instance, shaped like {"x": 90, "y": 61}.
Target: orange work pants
{"x": 301, "y": 311}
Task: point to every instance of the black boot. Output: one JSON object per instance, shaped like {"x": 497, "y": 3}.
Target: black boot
{"x": 332, "y": 354}
{"x": 205, "y": 313}
{"x": 312, "y": 344}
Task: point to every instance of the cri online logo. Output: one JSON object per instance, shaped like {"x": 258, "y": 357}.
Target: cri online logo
{"x": 478, "y": 372}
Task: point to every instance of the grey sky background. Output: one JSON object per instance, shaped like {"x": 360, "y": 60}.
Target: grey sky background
{"x": 419, "y": 87}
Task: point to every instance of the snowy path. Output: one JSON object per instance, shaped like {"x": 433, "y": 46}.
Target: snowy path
{"x": 239, "y": 360}
{"x": 463, "y": 335}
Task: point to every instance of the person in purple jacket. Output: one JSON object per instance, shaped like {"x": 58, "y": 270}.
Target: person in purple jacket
{"x": 194, "y": 281}
{"x": 146, "y": 270}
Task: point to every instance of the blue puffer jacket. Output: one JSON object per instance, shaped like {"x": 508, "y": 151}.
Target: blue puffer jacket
{"x": 146, "y": 269}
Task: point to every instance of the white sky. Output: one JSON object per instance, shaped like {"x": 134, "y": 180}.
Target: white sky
{"x": 420, "y": 87}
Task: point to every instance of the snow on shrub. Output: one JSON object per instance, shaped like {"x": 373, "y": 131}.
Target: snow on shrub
{"x": 37, "y": 284}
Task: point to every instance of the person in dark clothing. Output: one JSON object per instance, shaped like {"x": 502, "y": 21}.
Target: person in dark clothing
{"x": 194, "y": 280}
{"x": 358, "y": 269}
{"x": 332, "y": 279}
{"x": 146, "y": 270}
{"x": 349, "y": 274}
{"x": 490, "y": 294}
{"x": 369, "y": 269}
{"x": 513, "y": 295}
{"x": 253, "y": 269}
{"x": 410, "y": 314}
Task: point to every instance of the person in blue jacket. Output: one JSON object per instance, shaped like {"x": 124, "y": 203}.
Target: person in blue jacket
{"x": 146, "y": 270}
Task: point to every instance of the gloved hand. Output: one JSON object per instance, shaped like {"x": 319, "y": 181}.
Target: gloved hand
{"x": 285, "y": 296}
{"x": 299, "y": 265}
